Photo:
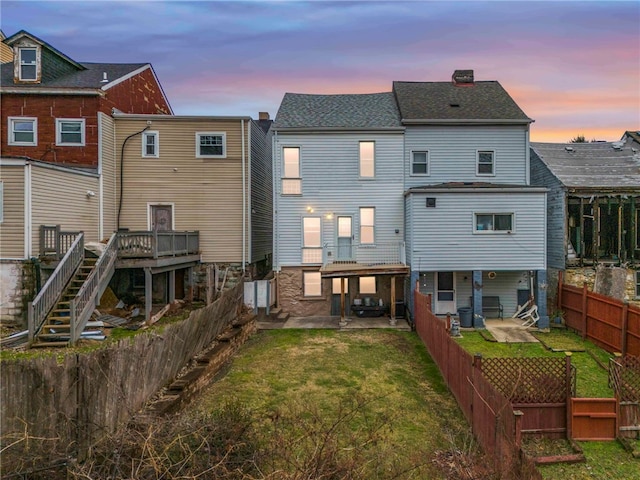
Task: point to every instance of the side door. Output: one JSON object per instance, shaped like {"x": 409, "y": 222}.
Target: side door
{"x": 445, "y": 293}
{"x": 161, "y": 217}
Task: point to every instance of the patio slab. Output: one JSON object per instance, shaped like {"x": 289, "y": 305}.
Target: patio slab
{"x": 509, "y": 330}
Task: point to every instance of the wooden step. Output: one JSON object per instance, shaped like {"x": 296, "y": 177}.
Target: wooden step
{"x": 49, "y": 344}
{"x": 63, "y": 320}
{"x": 54, "y": 337}
{"x": 283, "y": 316}
{"x": 53, "y": 329}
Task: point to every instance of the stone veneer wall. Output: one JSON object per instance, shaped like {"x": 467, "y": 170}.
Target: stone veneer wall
{"x": 17, "y": 288}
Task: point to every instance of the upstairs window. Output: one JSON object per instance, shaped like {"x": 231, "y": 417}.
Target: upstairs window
{"x": 150, "y": 146}
{"x": 367, "y": 225}
{"x": 23, "y": 131}
{"x": 28, "y": 66}
{"x": 311, "y": 240}
{"x": 367, "y": 159}
{"x": 291, "y": 181}
{"x": 211, "y": 145}
{"x": 493, "y": 222}
{"x": 70, "y": 132}
{"x": 420, "y": 163}
{"x": 485, "y": 162}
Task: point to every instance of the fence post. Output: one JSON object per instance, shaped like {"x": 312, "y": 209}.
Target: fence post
{"x": 584, "y": 310}
{"x": 567, "y": 374}
{"x": 625, "y": 325}
{"x": 518, "y": 427}
{"x": 448, "y": 322}
{"x": 559, "y": 294}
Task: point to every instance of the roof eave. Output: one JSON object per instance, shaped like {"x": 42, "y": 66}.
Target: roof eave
{"x": 441, "y": 189}
{"x": 23, "y": 33}
{"x": 89, "y": 92}
{"x": 336, "y": 129}
{"x": 447, "y": 121}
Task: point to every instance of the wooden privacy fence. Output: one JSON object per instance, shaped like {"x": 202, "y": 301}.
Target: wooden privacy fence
{"x": 624, "y": 378}
{"x": 73, "y": 401}
{"x": 610, "y": 323}
{"x": 489, "y": 412}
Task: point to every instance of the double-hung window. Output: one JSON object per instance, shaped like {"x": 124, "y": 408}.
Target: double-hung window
{"x": 150, "y": 146}
{"x": 211, "y": 145}
{"x": 28, "y": 63}
{"x": 70, "y": 132}
{"x": 367, "y": 225}
{"x": 420, "y": 162}
{"x": 312, "y": 284}
{"x": 485, "y": 164}
{"x": 493, "y": 222}
{"x": 311, "y": 240}
{"x": 23, "y": 131}
{"x": 291, "y": 181}
{"x": 367, "y": 159}
{"x": 367, "y": 285}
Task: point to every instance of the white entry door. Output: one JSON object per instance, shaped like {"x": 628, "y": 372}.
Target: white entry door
{"x": 445, "y": 293}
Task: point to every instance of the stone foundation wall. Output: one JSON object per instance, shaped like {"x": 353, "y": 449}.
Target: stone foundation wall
{"x": 615, "y": 282}
{"x": 291, "y": 296}
{"x": 17, "y": 288}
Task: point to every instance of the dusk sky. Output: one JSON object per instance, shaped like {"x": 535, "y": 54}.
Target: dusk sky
{"x": 573, "y": 66}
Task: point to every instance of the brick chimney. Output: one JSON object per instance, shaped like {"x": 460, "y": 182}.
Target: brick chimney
{"x": 263, "y": 116}
{"x": 462, "y": 77}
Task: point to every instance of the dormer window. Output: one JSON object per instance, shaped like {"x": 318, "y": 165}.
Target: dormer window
{"x": 28, "y": 64}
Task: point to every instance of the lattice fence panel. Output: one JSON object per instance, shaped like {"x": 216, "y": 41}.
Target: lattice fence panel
{"x": 624, "y": 378}
{"x": 530, "y": 380}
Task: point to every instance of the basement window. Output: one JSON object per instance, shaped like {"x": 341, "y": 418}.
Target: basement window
{"x": 312, "y": 284}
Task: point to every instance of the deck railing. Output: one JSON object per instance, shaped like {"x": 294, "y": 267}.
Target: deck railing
{"x": 83, "y": 304}
{"x": 154, "y": 244}
{"x": 44, "y": 301}
{"x": 54, "y": 242}
{"x": 374, "y": 254}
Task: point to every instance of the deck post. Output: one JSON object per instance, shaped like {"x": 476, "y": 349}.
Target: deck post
{"x": 343, "y": 320}
{"x": 393, "y": 320}
{"x": 477, "y": 293}
{"x": 171, "y": 280}
{"x": 148, "y": 284}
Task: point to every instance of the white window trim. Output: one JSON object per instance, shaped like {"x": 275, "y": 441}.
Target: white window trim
{"x": 284, "y": 178}
{"x": 146, "y": 134}
{"x": 161, "y": 204}
{"x": 494, "y": 232}
{"x": 361, "y": 225}
{"x": 224, "y": 144}
{"x": 304, "y": 283}
{"x": 428, "y": 173}
{"x": 493, "y": 163}
{"x": 37, "y": 64}
{"x": 372, "y": 177}
{"x": 311, "y": 247}
{"x": 59, "y": 141}
{"x": 11, "y": 141}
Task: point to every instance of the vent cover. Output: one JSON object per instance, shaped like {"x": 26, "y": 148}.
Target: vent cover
{"x": 431, "y": 202}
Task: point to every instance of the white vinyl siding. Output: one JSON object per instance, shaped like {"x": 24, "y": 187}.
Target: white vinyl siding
{"x": 70, "y": 132}
{"x": 330, "y": 163}
{"x": 12, "y": 230}
{"x": 150, "y": 144}
{"x": 443, "y": 238}
{"x": 291, "y": 181}
{"x": 211, "y": 145}
{"x": 311, "y": 238}
{"x": 453, "y": 153}
{"x": 367, "y": 159}
{"x": 312, "y": 284}
{"x": 367, "y": 225}
{"x": 22, "y": 131}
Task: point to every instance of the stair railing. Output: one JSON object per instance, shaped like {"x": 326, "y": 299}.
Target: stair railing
{"x": 83, "y": 304}
{"x": 39, "y": 308}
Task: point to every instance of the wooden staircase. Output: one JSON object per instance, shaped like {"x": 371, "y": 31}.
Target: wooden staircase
{"x": 56, "y": 329}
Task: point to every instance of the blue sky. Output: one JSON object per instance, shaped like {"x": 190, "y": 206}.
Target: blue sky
{"x": 574, "y": 66}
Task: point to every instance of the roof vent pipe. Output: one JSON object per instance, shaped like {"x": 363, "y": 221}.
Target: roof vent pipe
{"x": 104, "y": 78}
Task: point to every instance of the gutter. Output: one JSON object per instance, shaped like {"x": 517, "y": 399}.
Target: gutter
{"x": 312, "y": 130}
{"x": 446, "y": 121}
{"x": 515, "y": 189}
{"x": 53, "y": 91}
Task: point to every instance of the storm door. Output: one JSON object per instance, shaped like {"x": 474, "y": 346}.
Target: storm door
{"x": 161, "y": 217}
{"x": 445, "y": 293}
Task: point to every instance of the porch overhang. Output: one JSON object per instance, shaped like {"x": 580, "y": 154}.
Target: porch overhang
{"x": 337, "y": 270}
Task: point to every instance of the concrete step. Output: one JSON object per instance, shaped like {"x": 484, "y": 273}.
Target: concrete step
{"x": 283, "y": 316}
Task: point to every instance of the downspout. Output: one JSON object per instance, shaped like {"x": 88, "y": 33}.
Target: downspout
{"x": 276, "y": 258}
{"x": 100, "y": 182}
{"x": 527, "y": 156}
{"x": 122, "y": 173}
{"x": 244, "y": 200}
{"x": 249, "y": 202}
{"x": 28, "y": 228}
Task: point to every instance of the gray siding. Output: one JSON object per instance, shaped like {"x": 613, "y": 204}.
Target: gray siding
{"x": 329, "y": 167}
{"x": 556, "y": 212}
{"x": 443, "y": 237}
{"x": 261, "y": 195}
{"x": 452, "y": 153}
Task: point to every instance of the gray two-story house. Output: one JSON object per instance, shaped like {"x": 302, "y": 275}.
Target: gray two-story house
{"x": 475, "y": 228}
{"x": 339, "y": 225}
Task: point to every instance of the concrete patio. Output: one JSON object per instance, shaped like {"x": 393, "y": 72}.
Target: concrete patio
{"x": 510, "y": 330}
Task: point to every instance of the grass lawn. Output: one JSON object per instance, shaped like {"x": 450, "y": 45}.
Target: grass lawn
{"x": 591, "y": 380}
{"x": 328, "y": 380}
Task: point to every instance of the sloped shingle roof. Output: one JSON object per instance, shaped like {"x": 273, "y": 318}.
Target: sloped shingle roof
{"x": 89, "y": 78}
{"x": 372, "y": 110}
{"x": 444, "y": 101}
{"x": 591, "y": 165}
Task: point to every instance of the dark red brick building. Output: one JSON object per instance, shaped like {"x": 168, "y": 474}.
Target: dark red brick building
{"x": 50, "y": 102}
